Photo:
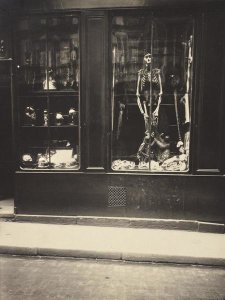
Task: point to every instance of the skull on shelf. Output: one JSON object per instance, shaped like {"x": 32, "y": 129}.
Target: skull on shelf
{"x": 27, "y": 158}
{"x": 30, "y": 116}
{"x": 59, "y": 118}
{"x": 72, "y": 116}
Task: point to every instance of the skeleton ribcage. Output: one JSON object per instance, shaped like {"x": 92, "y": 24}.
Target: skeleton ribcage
{"x": 146, "y": 78}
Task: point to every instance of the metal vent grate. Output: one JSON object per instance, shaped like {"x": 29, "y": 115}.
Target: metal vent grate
{"x": 117, "y": 196}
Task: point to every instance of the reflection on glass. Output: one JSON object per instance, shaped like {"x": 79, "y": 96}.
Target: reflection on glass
{"x": 152, "y": 62}
{"x": 63, "y": 58}
{"x": 31, "y": 52}
{"x": 48, "y": 53}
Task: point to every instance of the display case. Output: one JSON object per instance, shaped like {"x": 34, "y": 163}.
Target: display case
{"x": 152, "y": 66}
{"x": 152, "y": 98}
{"x": 48, "y": 92}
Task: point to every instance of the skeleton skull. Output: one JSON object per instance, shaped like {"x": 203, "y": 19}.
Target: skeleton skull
{"x": 148, "y": 58}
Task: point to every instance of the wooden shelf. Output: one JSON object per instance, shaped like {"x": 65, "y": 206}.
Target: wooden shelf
{"x": 50, "y": 126}
{"x": 63, "y": 126}
{"x": 5, "y": 59}
{"x": 45, "y": 93}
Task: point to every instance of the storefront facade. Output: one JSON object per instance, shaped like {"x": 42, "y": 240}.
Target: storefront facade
{"x": 118, "y": 110}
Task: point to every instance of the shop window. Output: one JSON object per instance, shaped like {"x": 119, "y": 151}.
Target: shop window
{"x": 152, "y": 64}
{"x": 48, "y": 64}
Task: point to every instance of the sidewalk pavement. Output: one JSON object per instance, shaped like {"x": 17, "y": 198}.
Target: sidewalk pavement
{"x": 135, "y": 244}
{"x": 7, "y": 208}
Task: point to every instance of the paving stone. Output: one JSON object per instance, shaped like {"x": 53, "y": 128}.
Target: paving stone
{"x": 56, "y": 278}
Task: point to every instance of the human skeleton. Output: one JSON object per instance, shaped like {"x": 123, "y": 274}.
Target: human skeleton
{"x": 145, "y": 77}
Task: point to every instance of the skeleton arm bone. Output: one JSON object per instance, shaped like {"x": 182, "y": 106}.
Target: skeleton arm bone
{"x": 143, "y": 111}
{"x": 156, "y": 111}
{"x": 139, "y": 105}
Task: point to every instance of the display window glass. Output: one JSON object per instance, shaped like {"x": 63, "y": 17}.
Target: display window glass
{"x": 48, "y": 76}
{"x": 152, "y": 71}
